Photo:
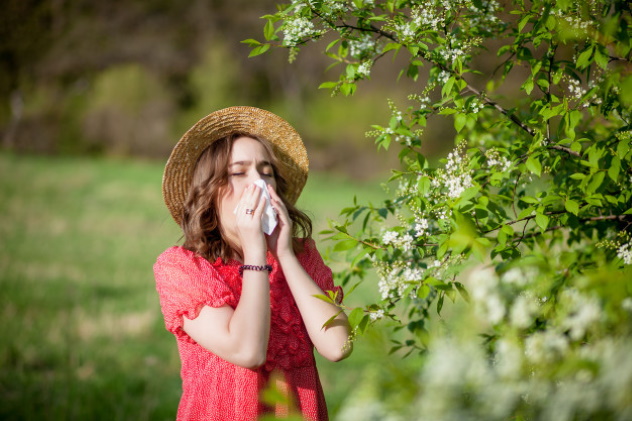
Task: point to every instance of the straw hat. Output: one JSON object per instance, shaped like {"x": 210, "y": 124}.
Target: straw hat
{"x": 286, "y": 143}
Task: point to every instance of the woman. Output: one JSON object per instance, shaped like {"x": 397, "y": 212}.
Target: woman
{"x": 241, "y": 302}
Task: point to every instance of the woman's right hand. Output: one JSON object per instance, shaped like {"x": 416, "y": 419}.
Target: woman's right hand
{"x": 248, "y": 220}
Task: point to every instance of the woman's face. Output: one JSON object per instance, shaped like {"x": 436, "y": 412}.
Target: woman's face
{"x": 249, "y": 161}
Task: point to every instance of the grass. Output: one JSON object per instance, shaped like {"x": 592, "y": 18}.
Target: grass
{"x": 82, "y": 334}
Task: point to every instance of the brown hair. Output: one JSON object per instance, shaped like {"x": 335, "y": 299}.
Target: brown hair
{"x": 200, "y": 220}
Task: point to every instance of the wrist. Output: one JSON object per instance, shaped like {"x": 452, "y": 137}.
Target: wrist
{"x": 257, "y": 268}
{"x": 286, "y": 257}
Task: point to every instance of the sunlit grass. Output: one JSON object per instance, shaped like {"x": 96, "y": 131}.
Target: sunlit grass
{"x": 82, "y": 334}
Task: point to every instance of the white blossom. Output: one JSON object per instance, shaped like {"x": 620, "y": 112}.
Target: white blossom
{"x": 523, "y": 310}
{"x": 583, "y": 311}
{"x": 376, "y": 315}
{"x": 545, "y": 346}
{"x": 496, "y": 160}
{"x": 456, "y": 177}
{"x": 297, "y": 28}
{"x": 364, "y": 69}
{"x": 443, "y": 77}
{"x": 508, "y": 358}
{"x": 514, "y": 276}
{"x": 394, "y": 280}
{"x": 428, "y": 16}
{"x": 624, "y": 252}
{"x": 390, "y": 237}
{"x": 575, "y": 88}
{"x": 407, "y": 242}
{"x": 488, "y": 303}
{"x": 360, "y": 47}
{"x": 421, "y": 227}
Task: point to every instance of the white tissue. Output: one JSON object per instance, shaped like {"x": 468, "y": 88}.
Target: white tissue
{"x": 269, "y": 217}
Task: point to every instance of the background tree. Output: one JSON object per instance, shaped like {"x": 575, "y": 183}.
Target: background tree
{"x": 533, "y": 204}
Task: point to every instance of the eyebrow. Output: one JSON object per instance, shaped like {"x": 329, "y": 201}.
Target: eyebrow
{"x": 261, "y": 164}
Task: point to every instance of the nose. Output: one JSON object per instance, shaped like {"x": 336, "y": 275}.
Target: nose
{"x": 254, "y": 176}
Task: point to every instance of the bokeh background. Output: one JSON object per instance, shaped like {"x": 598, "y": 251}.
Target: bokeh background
{"x": 93, "y": 95}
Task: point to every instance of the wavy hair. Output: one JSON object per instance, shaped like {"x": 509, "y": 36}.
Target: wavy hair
{"x": 201, "y": 224}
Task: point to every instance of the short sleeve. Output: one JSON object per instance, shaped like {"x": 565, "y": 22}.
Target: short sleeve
{"x": 186, "y": 282}
{"x": 313, "y": 263}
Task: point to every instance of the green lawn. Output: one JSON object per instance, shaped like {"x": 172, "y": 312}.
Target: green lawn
{"x": 82, "y": 336}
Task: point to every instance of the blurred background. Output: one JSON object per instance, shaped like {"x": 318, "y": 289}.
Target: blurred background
{"x": 127, "y": 78}
{"x": 93, "y": 96}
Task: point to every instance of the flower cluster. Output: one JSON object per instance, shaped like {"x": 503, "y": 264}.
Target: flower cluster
{"x": 396, "y": 278}
{"x": 456, "y": 177}
{"x": 421, "y": 227}
{"x": 405, "y": 242}
{"x": 296, "y": 29}
{"x": 581, "y": 313}
{"x": 576, "y": 89}
{"x": 364, "y": 46}
{"x": 484, "y": 17}
{"x": 573, "y": 20}
{"x": 497, "y": 161}
{"x": 364, "y": 69}
{"x": 624, "y": 252}
{"x": 428, "y": 16}
{"x": 485, "y": 295}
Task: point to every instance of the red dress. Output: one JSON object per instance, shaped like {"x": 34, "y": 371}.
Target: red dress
{"x": 215, "y": 389}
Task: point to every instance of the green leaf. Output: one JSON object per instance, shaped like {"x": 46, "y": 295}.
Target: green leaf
{"x": 331, "y": 320}
{"x": 392, "y": 46}
{"x": 528, "y": 85}
{"x": 324, "y": 298}
{"x": 583, "y": 60}
{"x": 348, "y": 89}
{"x": 533, "y": 164}
{"x": 572, "y": 206}
{"x": 268, "y": 30}
{"x": 526, "y": 212}
{"x": 601, "y": 59}
{"x": 625, "y": 91}
{"x": 507, "y": 229}
{"x": 459, "y": 122}
{"x": 345, "y": 245}
{"x": 595, "y": 182}
{"x": 542, "y": 221}
{"x": 423, "y": 185}
{"x": 459, "y": 286}
{"x": 327, "y": 85}
{"x": 615, "y": 167}
{"x": 447, "y": 88}
{"x": 622, "y": 149}
{"x": 355, "y": 317}
{"x": 332, "y": 44}
{"x": 259, "y": 50}
{"x": 523, "y": 22}
{"x": 251, "y": 42}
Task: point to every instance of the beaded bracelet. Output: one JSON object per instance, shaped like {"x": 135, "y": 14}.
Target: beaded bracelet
{"x": 254, "y": 267}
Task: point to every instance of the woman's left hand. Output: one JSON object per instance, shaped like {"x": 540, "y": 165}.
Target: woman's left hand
{"x": 280, "y": 241}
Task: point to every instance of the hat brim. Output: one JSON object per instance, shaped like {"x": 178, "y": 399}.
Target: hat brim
{"x": 285, "y": 140}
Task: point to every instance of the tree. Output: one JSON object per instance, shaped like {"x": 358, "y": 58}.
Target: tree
{"x": 534, "y": 202}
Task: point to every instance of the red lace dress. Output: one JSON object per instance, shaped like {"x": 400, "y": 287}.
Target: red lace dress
{"x": 213, "y": 388}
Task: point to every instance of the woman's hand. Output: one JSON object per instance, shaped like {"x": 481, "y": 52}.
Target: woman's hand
{"x": 248, "y": 223}
{"x": 280, "y": 241}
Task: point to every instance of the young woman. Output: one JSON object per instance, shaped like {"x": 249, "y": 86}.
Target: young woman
{"x": 239, "y": 301}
